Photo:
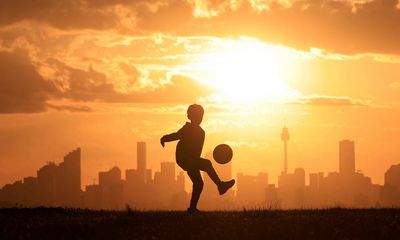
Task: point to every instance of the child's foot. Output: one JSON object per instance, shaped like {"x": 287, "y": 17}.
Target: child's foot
{"x": 193, "y": 210}
{"x": 225, "y": 186}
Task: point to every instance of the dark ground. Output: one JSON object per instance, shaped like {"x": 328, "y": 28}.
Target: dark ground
{"x": 58, "y": 223}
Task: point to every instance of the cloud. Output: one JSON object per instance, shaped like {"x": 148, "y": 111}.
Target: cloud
{"x": 63, "y": 14}
{"x": 69, "y": 108}
{"x": 180, "y": 89}
{"x": 22, "y": 89}
{"x": 338, "y": 26}
{"x": 319, "y": 100}
{"x": 28, "y": 87}
{"x": 120, "y": 15}
{"x": 82, "y": 85}
{"x": 171, "y": 16}
{"x": 155, "y": 87}
{"x": 395, "y": 85}
{"x": 348, "y": 27}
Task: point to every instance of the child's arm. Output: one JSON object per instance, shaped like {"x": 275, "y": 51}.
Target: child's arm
{"x": 169, "y": 138}
{"x": 173, "y": 136}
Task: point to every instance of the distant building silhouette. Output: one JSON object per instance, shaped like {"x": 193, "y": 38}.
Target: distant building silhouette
{"x": 55, "y": 185}
{"x": 93, "y": 197}
{"x": 285, "y": 138}
{"x": 390, "y": 192}
{"x": 164, "y": 191}
{"x": 313, "y": 190}
{"x": 346, "y": 188}
{"x": 392, "y": 176}
{"x": 251, "y": 190}
{"x": 346, "y": 157}
{"x": 111, "y": 187}
{"x": 47, "y": 184}
{"x": 60, "y": 185}
{"x": 141, "y": 161}
{"x": 272, "y": 200}
{"x": 292, "y": 188}
{"x": 69, "y": 180}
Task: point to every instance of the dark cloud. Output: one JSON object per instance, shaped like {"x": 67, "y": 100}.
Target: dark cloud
{"x": 171, "y": 17}
{"x": 63, "y": 14}
{"x": 69, "y": 108}
{"x": 130, "y": 71}
{"x": 83, "y": 85}
{"x": 336, "y": 26}
{"x": 97, "y": 14}
{"x": 92, "y": 85}
{"x": 22, "y": 89}
{"x": 331, "y": 101}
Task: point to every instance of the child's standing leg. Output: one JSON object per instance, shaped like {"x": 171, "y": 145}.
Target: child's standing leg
{"x": 197, "y": 187}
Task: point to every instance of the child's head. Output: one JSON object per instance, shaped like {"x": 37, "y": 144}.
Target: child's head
{"x": 195, "y": 113}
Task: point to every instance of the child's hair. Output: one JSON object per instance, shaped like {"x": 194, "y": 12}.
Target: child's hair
{"x": 195, "y": 110}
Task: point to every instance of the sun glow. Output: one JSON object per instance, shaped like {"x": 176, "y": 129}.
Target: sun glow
{"x": 248, "y": 70}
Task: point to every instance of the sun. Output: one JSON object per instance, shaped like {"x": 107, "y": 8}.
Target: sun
{"x": 247, "y": 70}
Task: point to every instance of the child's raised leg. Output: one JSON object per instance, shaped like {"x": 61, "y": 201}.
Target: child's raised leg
{"x": 206, "y": 166}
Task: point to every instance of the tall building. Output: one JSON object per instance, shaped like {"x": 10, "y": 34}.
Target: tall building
{"x": 61, "y": 185}
{"x": 141, "y": 161}
{"x": 180, "y": 182}
{"x": 46, "y": 178}
{"x": 168, "y": 171}
{"x": 110, "y": 177}
{"x": 251, "y": 189}
{"x": 271, "y": 197}
{"x": 291, "y": 188}
{"x": 392, "y": 176}
{"x": 149, "y": 176}
{"x": 313, "y": 181}
{"x": 285, "y": 137}
{"x": 390, "y": 192}
{"x": 346, "y": 157}
{"x": 69, "y": 179}
{"x": 111, "y": 187}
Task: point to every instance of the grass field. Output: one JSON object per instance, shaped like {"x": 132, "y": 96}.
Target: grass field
{"x": 59, "y": 223}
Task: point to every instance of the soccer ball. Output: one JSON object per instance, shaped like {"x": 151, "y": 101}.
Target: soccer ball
{"x": 222, "y": 153}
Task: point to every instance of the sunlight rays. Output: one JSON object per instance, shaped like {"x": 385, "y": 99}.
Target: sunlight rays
{"x": 246, "y": 71}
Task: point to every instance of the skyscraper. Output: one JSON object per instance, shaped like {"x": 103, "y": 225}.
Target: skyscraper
{"x": 168, "y": 171}
{"x": 68, "y": 179}
{"x": 141, "y": 161}
{"x": 346, "y": 157}
{"x": 167, "y": 175}
{"x": 392, "y": 176}
{"x": 285, "y": 138}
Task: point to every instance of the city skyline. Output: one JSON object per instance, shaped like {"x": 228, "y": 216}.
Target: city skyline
{"x": 144, "y": 188}
{"x": 277, "y": 161}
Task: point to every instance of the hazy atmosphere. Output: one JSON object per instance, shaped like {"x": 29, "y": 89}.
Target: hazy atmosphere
{"x": 103, "y": 75}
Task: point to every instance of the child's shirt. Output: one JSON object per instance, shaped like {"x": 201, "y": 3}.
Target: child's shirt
{"x": 190, "y": 145}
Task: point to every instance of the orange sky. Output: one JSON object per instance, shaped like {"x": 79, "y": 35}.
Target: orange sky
{"x": 102, "y": 75}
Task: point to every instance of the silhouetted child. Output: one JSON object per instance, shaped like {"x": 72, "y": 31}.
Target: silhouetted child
{"x": 188, "y": 151}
